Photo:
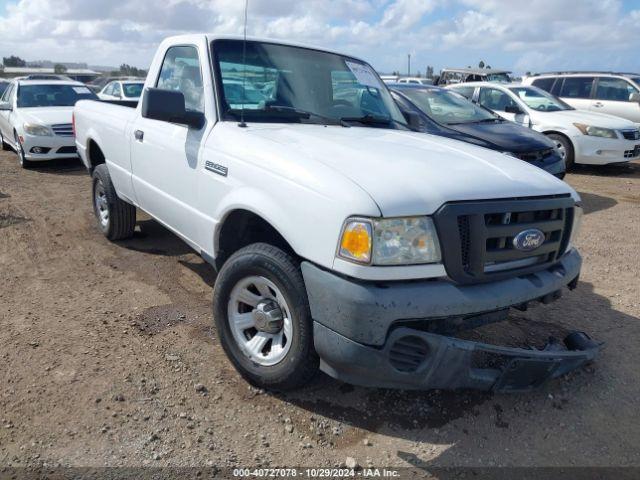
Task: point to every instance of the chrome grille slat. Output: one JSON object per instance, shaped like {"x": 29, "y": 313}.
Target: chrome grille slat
{"x": 63, "y": 129}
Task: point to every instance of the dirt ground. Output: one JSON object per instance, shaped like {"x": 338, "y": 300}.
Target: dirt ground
{"x": 109, "y": 357}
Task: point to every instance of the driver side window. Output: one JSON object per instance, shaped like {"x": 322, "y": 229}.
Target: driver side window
{"x": 495, "y": 99}
{"x": 181, "y": 72}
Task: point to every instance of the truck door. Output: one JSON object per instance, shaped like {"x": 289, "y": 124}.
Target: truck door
{"x": 165, "y": 156}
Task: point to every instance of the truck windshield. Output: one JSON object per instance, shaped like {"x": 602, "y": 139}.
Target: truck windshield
{"x": 540, "y": 100}
{"x": 30, "y": 96}
{"x": 279, "y": 83}
{"x": 447, "y": 107}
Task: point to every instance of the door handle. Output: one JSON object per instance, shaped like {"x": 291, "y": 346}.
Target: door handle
{"x": 139, "y": 134}
{"x": 598, "y": 104}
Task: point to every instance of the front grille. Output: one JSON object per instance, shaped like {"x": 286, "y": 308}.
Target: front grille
{"x": 66, "y": 150}
{"x": 631, "y": 134}
{"x": 633, "y": 153}
{"x": 535, "y": 156}
{"x": 477, "y": 237}
{"x": 63, "y": 129}
{"x": 408, "y": 353}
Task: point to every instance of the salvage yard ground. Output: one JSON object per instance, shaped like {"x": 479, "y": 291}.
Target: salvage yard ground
{"x": 109, "y": 357}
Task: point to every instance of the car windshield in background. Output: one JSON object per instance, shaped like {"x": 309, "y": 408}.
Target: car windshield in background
{"x": 132, "y": 90}
{"x": 447, "y": 107}
{"x": 30, "y": 96}
{"x": 540, "y": 100}
{"x": 499, "y": 78}
{"x": 279, "y": 83}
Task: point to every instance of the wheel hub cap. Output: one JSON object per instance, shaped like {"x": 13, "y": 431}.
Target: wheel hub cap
{"x": 268, "y": 317}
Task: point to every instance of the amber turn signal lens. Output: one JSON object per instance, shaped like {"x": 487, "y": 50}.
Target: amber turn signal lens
{"x": 356, "y": 241}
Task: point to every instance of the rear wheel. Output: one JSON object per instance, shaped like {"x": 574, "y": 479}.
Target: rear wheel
{"x": 116, "y": 218}
{"x": 565, "y": 148}
{"x": 3, "y": 145}
{"x": 263, "y": 319}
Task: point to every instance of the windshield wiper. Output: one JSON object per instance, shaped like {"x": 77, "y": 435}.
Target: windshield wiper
{"x": 369, "y": 119}
{"x": 306, "y": 114}
{"x": 484, "y": 120}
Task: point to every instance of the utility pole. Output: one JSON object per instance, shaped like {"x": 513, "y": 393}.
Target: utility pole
{"x": 408, "y": 65}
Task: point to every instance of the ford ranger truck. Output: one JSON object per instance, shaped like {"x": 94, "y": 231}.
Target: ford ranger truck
{"x": 343, "y": 240}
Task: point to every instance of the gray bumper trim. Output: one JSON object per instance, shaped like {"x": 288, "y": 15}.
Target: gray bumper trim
{"x": 449, "y": 363}
{"x": 364, "y": 311}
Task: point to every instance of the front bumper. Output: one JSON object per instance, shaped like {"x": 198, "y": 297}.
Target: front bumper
{"x": 378, "y": 334}
{"x": 58, "y": 147}
{"x": 604, "y": 151}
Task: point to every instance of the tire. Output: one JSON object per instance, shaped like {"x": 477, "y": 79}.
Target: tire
{"x": 116, "y": 218}
{"x": 24, "y": 163}
{"x": 565, "y": 147}
{"x": 3, "y": 145}
{"x": 265, "y": 263}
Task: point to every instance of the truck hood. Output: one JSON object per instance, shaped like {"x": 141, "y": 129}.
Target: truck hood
{"x": 407, "y": 173}
{"x": 47, "y": 115}
{"x": 589, "y": 118}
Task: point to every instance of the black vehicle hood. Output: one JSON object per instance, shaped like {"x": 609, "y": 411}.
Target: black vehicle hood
{"x": 504, "y": 136}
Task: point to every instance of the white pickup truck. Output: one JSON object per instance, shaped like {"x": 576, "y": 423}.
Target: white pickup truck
{"x": 343, "y": 240}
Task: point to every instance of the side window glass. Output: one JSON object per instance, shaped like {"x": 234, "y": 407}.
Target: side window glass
{"x": 109, "y": 89}
{"x": 577, "y": 87}
{"x": 544, "y": 83}
{"x": 117, "y": 90}
{"x": 465, "y": 91}
{"x": 495, "y": 99}
{"x": 181, "y": 72}
{"x": 615, "y": 89}
{"x": 7, "y": 94}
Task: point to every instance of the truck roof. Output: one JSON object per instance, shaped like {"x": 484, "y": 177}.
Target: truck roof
{"x": 209, "y": 37}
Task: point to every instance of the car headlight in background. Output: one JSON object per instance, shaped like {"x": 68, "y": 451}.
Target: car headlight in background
{"x": 390, "y": 241}
{"x": 577, "y": 224}
{"x": 596, "y": 131}
{"x": 37, "y": 130}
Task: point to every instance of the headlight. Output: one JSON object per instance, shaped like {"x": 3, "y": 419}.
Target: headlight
{"x": 390, "y": 241}
{"x": 37, "y": 130}
{"x": 596, "y": 131}
{"x": 575, "y": 228}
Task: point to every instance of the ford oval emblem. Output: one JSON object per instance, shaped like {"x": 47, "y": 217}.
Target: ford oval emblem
{"x": 528, "y": 240}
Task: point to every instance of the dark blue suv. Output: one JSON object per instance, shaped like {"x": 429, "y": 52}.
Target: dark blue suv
{"x": 448, "y": 114}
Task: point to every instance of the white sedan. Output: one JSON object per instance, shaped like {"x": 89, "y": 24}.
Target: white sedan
{"x": 122, "y": 90}
{"x": 581, "y": 137}
{"x": 36, "y": 118}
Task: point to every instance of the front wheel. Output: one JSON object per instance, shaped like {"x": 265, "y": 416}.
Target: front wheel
{"x": 24, "y": 163}
{"x": 116, "y": 218}
{"x": 263, "y": 319}
{"x": 565, "y": 148}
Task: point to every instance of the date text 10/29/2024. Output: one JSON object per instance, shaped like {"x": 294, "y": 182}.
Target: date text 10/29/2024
{"x": 315, "y": 473}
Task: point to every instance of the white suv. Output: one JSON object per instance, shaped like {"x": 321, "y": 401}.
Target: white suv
{"x": 613, "y": 93}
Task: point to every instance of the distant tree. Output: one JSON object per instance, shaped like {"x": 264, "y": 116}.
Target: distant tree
{"x": 13, "y": 61}
{"x": 481, "y": 64}
{"x": 59, "y": 68}
{"x": 429, "y": 72}
{"x": 130, "y": 71}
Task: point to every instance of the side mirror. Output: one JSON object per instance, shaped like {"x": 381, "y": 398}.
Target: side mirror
{"x": 515, "y": 109}
{"x": 634, "y": 97}
{"x": 5, "y": 107}
{"x": 168, "y": 106}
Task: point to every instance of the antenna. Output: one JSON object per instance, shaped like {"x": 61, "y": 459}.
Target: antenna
{"x": 244, "y": 65}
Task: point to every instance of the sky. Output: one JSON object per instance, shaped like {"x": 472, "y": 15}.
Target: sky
{"x": 518, "y": 35}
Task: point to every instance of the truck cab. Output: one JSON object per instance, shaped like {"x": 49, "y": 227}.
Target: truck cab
{"x": 343, "y": 239}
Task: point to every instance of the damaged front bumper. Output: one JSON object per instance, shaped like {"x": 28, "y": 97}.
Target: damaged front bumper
{"x": 389, "y": 334}
{"x": 412, "y": 359}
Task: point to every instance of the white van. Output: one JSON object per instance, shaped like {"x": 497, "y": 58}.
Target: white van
{"x": 605, "y": 92}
